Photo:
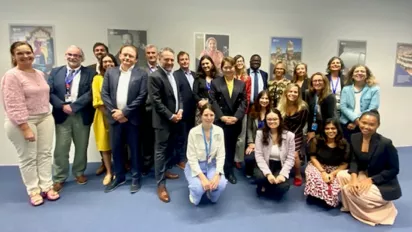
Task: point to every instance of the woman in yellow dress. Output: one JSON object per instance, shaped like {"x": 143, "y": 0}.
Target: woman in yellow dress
{"x": 100, "y": 124}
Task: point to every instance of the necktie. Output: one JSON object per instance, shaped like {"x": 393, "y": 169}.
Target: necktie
{"x": 255, "y": 86}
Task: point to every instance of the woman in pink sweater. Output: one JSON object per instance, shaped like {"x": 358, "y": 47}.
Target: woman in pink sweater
{"x": 28, "y": 123}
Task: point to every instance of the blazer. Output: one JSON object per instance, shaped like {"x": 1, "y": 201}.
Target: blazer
{"x": 369, "y": 101}
{"x": 189, "y": 103}
{"x": 148, "y": 101}
{"x": 225, "y": 105}
{"x": 163, "y": 99}
{"x": 136, "y": 94}
{"x": 92, "y": 67}
{"x": 327, "y": 108}
{"x": 383, "y": 165}
{"x": 264, "y": 77}
{"x": 252, "y": 127}
{"x": 196, "y": 150}
{"x": 287, "y": 153}
{"x": 84, "y": 101}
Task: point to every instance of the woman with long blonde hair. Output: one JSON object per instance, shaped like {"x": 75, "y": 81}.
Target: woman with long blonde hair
{"x": 295, "y": 114}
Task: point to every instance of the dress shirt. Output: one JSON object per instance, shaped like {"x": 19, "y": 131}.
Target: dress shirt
{"x": 74, "y": 89}
{"x": 189, "y": 78}
{"x": 229, "y": 84}
{"x": 260, "y": 83}
{"x": 123, "y": 87}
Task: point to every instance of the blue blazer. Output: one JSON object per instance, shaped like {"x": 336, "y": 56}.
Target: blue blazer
{"x": 369, "y": 101}
{"x": 136, "y": 96}
{"x": 84, "y": 101}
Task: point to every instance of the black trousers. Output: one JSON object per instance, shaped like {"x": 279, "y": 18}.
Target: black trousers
{"x": 184, "y": 128}
{"x": 275, "y": 191}
{"x": 167, "y": 142}
{"x": 250, "y": 163}
{"x": 147, "y": 142}
{"x": 348, "y": 133}
{"x": 231, "y": 133}
{"x": 120, "y": 135}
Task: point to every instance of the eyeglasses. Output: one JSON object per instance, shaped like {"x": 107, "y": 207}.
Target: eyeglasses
{"x": 73, "y": 55}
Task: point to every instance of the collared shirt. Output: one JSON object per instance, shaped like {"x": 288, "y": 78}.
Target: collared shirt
{"x": 74, "y": 90}
{"x": 260, "y": 83}
{"x": 152, "y": 68}
{"x": 123, "y": 87}
{"x": 98, "y": 68}
{"x": 229, "y": 84}
{"x": 173, "y": 83}
{"x": 190, "y": 78}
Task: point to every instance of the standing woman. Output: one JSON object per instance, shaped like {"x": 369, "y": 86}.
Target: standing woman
{"x": 241, "y": 74}
{"x": 275, "y": 156}
{"x": 228, "y": 97}
{"x": 295, "y": 115}
{"x": 29, "y": 124}
{"x": 336, "y": 78}
{"x": 321, "y": 102}
{"x": 359, "y": 96}
{"x": 206, "y": 157}
{"x": 371, "y": 184}
{"x": 206, "y": 72}
{"x": 300, "y": 77}
{"x": 255, "y": 121}
{"x": 100, "y": 124}
{"x": 278, "y": 84}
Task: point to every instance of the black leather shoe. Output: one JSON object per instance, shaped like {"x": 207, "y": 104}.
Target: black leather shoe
{"x": 232, "y": 179}
{"x": 114, "y": 184}
{"x": 135, "y": 187}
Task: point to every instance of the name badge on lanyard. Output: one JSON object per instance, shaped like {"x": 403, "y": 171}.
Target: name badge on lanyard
{"x": 334, "y": 87}
{"x": 68, "y": 81}
{"x": 314, "y": 125}
{"x": 208, "y": 147}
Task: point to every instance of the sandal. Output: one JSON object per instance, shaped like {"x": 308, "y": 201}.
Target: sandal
{"x": 107, "y": 179}
{"x": 36, "y": 199}
{"x": 51, "y": 195}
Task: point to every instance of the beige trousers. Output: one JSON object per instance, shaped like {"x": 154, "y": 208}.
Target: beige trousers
{"x": 35, "y": 158}
{"x": 369, "y": 208}
{"x": 241, "y": 142}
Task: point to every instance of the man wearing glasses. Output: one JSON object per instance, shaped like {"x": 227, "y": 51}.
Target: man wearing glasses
{"x": 73, "y": 112}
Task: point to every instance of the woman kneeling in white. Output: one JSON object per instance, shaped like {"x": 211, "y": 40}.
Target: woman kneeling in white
{"x": 206, "y": 157}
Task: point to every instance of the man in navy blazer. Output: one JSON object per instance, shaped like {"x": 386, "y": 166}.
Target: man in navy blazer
{"x": 73, "y": 112}
{"x": 185, "y": 77}
{"x": 256, "y": 75}
{"x": 124, "y": 94}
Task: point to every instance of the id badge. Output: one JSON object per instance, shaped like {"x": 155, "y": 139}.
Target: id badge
{"x": 209, "y": 160}
{"x": 67, "y": 98}
{"x": 314, "y": 126}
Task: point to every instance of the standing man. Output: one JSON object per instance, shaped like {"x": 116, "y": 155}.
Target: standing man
{"x": 124, "y": 92}
{"x": 148, "y": 138}
{"x": 185, "y": 78}
{"x": 73, "y": 112}
{"x": 167, "y": 113}
{"x": 100, "y": 50}
{"x": 259, "y": 78}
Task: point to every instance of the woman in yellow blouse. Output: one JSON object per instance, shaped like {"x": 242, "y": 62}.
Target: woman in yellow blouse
{"x": 100, "y": 125}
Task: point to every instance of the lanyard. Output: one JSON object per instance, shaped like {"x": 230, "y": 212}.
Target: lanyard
{"x": 69, "y": 78}
{"x": 208, "y": 147}
{"x": 315, "y": 108}
{"x": 334, "y": 87}
{"x": 208, "y": 86}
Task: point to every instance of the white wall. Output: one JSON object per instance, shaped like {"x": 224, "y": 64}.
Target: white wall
{"x": 321, "y": 23}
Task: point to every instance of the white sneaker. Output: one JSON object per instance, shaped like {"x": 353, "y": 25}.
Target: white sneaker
{"x": 191, "y": 199}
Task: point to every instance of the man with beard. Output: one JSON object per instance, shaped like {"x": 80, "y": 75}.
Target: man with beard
{"x": 259, "y": 77}
{"x": 100, "y": 50}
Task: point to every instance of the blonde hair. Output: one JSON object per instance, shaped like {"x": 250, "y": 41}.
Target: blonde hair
{"x": 295, "y": 77}
{"x": 283, "y": 66}
{"x": 370, "y": 78}
{"x": 326, "y": 86}
{"x": 284, "y": 102}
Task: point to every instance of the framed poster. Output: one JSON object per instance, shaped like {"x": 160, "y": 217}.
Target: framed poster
{"x": 403, "y": 65}
{"x": 352, "y": 53}
{"x": 42, "y": 39}
{"x": 287, "y": 50}
{"x": 116, "y": 38}
{"x": 214, "y": 45}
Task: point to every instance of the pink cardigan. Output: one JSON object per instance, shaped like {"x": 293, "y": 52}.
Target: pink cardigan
{"x": 24, "y": 94}
{"x": 287, "y": 153}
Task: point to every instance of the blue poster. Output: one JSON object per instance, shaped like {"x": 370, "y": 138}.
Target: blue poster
{"x": 286, "y": 50}
{"x": 403, "y": 66}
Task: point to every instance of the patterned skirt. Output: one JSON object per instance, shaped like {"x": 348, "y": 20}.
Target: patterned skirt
{"x": 316, "y": 187}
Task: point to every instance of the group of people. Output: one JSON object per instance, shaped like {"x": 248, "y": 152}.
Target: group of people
{"x": 207, "y": 123}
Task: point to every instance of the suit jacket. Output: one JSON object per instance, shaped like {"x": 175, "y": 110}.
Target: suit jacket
{"x": 189, "y": 103}
{"x": 199, "y": 89}
{"x": 163, "y": 99}
{"x": 383, "y": 165}
{"x": 252, "y": 127}
{"x": 196, "y": 151}
{"x": 369, "y": 101}
{"x": 92, "y": 67}
{"x": 264, "y": 77}
{"x": 287, "y": 153}
{"x": 84, "y": 101}
{"x": 148, "y": 101}
{"x": 225, "y": 105}
{"x": 136, "y": 95}
{"x": 327, "y": 109}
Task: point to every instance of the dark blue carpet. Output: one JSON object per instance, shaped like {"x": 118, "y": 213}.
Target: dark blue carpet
{"x": 88, "y": 208}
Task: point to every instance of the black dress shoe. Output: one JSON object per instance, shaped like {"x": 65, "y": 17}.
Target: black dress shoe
{"x": 114, "y": 184}
{"x": 135, "y": 187}
{"x": 232, "y": 179}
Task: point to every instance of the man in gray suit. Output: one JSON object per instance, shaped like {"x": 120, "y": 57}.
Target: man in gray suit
{"x": 124, "y": 92}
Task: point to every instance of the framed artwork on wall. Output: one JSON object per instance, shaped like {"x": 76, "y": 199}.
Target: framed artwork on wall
{"x": 287, "y": 50}
{"x": 116, "y": 38}
{"x": 352, "y": 52}
{"x": 214, "y": 45}
{"x": 42, "y": 40}
{"x": 403, "y": 65}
